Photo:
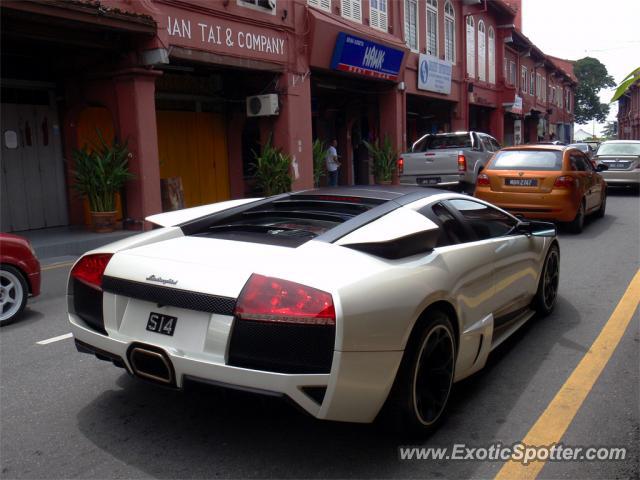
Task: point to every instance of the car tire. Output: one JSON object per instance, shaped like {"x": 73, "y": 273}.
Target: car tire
{"x": 13, "y": 293}
{"x": 418, "y": 400}
{"x": 545, "y": 300}
{"x": 603, "y": 206}
{"x": 577, "y": 224}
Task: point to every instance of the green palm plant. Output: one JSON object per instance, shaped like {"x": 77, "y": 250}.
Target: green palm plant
{"x": 384, "y": 159}
{"x": 319, "y": 155}
{"x": 101, "y": 171}
{"x": 272, "y": 170}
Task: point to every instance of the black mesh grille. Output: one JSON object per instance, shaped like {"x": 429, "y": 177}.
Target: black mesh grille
{"x": 87, "y": 303}
{"x": 282, "y": 347}
{"x": 202, "y": 302}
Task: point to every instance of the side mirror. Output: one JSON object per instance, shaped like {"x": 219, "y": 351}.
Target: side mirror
{"x": 524, "y": 227}
{"x": 536, "y": 228}
{"x": 602, "y": 167}
{"x": 543, "y": 229}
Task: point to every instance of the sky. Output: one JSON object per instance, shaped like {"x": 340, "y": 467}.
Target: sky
{"x": 608, "y": 30}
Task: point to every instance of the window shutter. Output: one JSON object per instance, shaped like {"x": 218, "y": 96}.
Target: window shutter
{"x": 471, "y": 48}
{"x": 352, "y": 9}
{"x": 356, "y": 10}
{"x": 322, "y": 4}
{"x": 374, "y": 14}
{"x": 492, "y": 56}
{"x": 345, "y": 8}
{"x": 382, "y": 15}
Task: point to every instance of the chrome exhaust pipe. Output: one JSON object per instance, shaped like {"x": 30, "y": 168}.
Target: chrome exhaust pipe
{"x": 151, "y": 365}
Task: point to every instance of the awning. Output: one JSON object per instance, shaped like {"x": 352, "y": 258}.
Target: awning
{"x": 68, "y": 13}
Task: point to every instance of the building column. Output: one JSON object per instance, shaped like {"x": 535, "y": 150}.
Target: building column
{"x": 292, "y": 128}
{"x": 136, "y": 119}
{"x": 235, "y": 126}
{"x": 497, "y": 124}
{"x": 393, "y": 120}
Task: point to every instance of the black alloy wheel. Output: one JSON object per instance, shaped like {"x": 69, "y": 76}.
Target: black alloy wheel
{"x": 433, "y": 375}
{"x": 420, "y": 394}
{"x": 547, "y": 294}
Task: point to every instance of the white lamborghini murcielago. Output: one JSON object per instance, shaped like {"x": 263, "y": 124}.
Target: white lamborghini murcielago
{"x": 349, "y": 301}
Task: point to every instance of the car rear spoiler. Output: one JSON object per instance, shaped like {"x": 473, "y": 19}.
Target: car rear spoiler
{"x": 177, "y": 217}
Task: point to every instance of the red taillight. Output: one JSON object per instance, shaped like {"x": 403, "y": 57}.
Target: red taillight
{"x": 400, "y": 165}
{"x": 89, "y": 269}
{"x": 566, "y": 181}
{"x": 462, "y": 163}
{"x": 268, "y": 299}
{"x": 483, "y": 180}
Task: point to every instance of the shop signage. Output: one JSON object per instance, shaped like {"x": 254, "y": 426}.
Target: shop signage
{"x": 517, "y": 105}
{"x": 357, "y": 55}
{"x": 226, "y": 37}
{"x": 517, "y": 132}
{"x": 434, "y": 74}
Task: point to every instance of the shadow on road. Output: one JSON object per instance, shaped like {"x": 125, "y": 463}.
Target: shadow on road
{"x": 209, "y": 432}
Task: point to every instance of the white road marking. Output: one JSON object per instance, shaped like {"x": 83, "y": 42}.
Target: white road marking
{"x": 55, "y": 339}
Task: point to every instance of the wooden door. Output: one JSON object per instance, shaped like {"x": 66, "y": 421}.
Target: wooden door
{"x": 193, "y": 146}
{"x": 33, "y": 185}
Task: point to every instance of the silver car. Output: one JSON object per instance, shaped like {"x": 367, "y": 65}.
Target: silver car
{"x": 447, "y": 159}
{"x": 584, "y": 148}
{"x": 623, "y": 159}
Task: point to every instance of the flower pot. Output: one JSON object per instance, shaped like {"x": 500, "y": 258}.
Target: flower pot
{"x": 103, "y": 222}
{"x": 383, "y": 182}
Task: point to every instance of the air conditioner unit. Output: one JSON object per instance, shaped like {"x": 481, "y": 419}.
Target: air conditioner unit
{"x": 262, "y": 105}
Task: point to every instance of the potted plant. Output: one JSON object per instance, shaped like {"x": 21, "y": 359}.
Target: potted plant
{"x": 272, "y": 170}
{"x": 319, "y": 156}
{"x": 99, "y": 173}
{"x": 384, "y": 160}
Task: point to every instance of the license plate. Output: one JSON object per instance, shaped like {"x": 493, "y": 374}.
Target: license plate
{"x": 160, "y": 323}
{"x": 619, "y": 165}
{"x": 428, "y": 180}
{"x": 521, "y": 182}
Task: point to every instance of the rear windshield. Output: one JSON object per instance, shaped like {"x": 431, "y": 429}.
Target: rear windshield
{"x": 527, "y": 160}
{"x": 289, "y": 222}
{"x": 619, "y": 149}
{"x": 445, "y": 140}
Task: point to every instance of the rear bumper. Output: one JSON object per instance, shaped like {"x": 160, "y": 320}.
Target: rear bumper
{"x": 444, "y": 180}
{"x": 558, "y": 205}
{"x": 622, "y": 177}
{"x": 356, "y": 387}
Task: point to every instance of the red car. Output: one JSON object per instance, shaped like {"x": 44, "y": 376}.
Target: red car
{"x": 19, "y": 276}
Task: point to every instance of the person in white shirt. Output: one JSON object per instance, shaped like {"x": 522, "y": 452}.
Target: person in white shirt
{"x": 333, "y": 164}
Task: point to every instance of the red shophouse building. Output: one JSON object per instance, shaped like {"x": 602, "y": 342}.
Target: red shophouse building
{"x": 629, "y": 114}
{"x": 178, "y": 80}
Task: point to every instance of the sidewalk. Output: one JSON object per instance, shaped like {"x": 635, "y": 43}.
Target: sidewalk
{"x": 69, "y": 241}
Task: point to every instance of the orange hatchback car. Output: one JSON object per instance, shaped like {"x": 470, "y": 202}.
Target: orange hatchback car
{"x": 550, "y": 182}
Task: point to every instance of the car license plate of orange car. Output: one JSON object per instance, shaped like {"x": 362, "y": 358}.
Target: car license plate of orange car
{"x": 521, "y": 182}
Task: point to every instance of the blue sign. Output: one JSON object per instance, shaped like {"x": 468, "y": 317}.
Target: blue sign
{"x": 357, "y": 55}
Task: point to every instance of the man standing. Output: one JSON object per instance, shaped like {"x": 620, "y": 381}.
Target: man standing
{"x": 332, "y": 163}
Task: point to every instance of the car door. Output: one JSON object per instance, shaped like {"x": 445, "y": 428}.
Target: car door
{"x": 516, "y": 257}
{"x": 595, "y": 184}
{"x": 585, "y": 177}
{"x": 468, "y": 262}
